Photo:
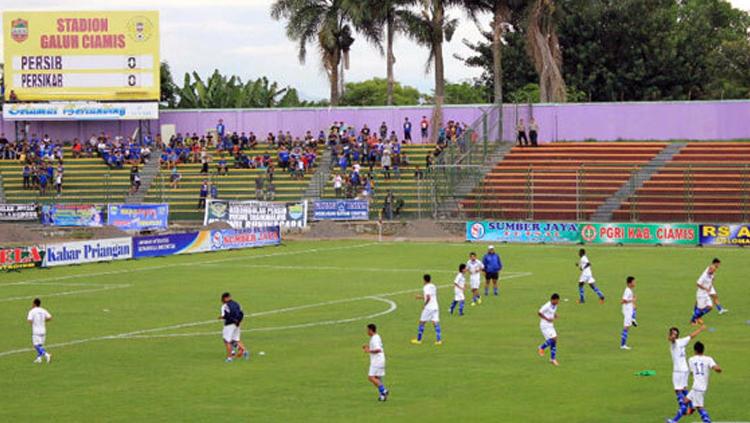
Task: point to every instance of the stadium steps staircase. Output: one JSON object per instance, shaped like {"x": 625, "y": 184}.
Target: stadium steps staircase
{"x": 606, "y": 210}
{"x": 148, "y": 173}
{"x": 450, "y": 206}
{"x": 2, "y": 191}
{"x": 318, "y": 182}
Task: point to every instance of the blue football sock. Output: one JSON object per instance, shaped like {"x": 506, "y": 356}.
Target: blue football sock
{"x": 697, "y": 313}
{"x": 719, "y": 307}
{"x": 581, "y": 293}
{"x": 704, "y": 415}
{"x": 680, "y": 412}
{"x": 596, "y": 289}
{"x": 461, "y": 307}
{"x": 420, "y": 332}
{"x": 545, "y": 345}
{"x": 634, "y": 310}
{"x": 39, "y": 350}
{"x": 381, "y": 389}
{"x": 438, "y": 332}
{"x": 624, "y": 338}
{"x": 553, "y": 348}
{"x": 680, "y": 397}
{"x": 486, "y": 291}
{"x": 496, "y": 291}
{"x": 453, "y": 305}
{"x": 705, "y": 311}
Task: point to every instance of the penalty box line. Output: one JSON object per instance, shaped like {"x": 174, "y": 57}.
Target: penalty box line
{"x": 140, "y": 333}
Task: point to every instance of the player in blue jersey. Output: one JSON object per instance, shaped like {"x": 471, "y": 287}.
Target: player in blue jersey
{"x": 492, "y": 268}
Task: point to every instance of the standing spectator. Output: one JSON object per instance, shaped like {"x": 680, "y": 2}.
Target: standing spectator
{"x": 383, "y": 130}
{"x": 533, "y": 131}
{"x": 259, "y": 181}
{"x": 338, "y": 184}
{"x": 203, "y": 195}
{"x": 204, "y": 165}
{"x": 407, "y": 130}
{"x": 59, "y": 183}
{"x": 270, "y": 171}
{"x": 270, "y": 191}
{"x": 26, "y": 177}
{"x": 521, "y": 138}
{"x": 388, "y": 205}
{"x": 42, "y": 182}
{"x": 135, "y": 181}
{"x": 385, "y": 162}
{"x": 418, "y": 174}
{"x": 220, "y": 129}
{"x": 214, "y": 191}
{"x": 175, "y": 177}
{"x": 424, "y": 126}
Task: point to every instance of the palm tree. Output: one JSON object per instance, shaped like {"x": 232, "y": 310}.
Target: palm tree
{"x": 430, "y": 27}
{"x": 325, "y": 23}
{"x": 544, "y": 49}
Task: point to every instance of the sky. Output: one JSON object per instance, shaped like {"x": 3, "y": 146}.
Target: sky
{"x": 239, "y": 37}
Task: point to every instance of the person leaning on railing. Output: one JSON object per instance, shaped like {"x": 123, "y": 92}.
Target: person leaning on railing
{"x": 533, "y": 131}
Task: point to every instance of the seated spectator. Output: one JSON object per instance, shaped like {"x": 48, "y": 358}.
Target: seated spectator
{"x": 221, "y": 166}
{"x": 77, "y": 149}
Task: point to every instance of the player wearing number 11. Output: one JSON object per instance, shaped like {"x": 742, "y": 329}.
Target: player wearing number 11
{"x": 700, "y": 366}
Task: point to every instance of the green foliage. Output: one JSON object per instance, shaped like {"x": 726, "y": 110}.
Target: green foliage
{"x": 169, "y": 89}
{"x": 466, "y": 93}
{"x": 373, "y": 93}
{"x": 220, "y": 91}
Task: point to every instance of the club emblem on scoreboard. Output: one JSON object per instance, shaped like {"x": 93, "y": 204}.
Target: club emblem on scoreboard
{"x": 19, "y": 30}
{"x": 140, "y": 28}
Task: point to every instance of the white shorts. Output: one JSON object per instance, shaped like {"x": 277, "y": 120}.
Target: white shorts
{"x": 38, "y": 339}
{"x": 231, "y": 333}
{"x": 680, "y": 380}
{"x": 548, "y": 332}
{"x": 704, "y": 301}
{"x": 429, "y": 316}
{"x": 475, "y": 281}
{"x": 459, "y": 296}
{"x": 713, "y": 291}
{"x": 627, "y": 315}
{"x": 376, "y": 369}
{"x": 696, "y": 397}
{"x": 586, "y": 278}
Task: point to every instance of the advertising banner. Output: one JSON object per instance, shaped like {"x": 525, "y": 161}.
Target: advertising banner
{"x": 21, "y": 257}
{"x": 640, "y": 233}
{"x": 73, "y": 215}
{"x": 171, "y": 244}
{"x": 67, "y": 253}
{"x": 138, "y": 217}
{"x": 250, "y": 214}
{"x": 738, "y": 235}
{"x": 81, "y": 55}
{"x": 81, "y": 111}
{"x": 523, "y": 232}
{"x": 16, "y": 212}
{"x": 341, "y": 210}
{"x": 230, "y": 239}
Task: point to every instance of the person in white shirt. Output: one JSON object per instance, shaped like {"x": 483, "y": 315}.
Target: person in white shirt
{"x": 628, "y": 307}
{"x": 700, "y": 366}
{"x": 430, "y": 311}
{"x": 703, "y": 302}
{"x": 587, "y": 277}
{"x": 377, "y": 361}
{"x": 680, "y": 370}
{"x": 476, "y": 267}
{"x": 459, "y": 286}
{"x": 38, "y": 318}
{"x": 547, "y": 315}
{"x": 714, "y": 295}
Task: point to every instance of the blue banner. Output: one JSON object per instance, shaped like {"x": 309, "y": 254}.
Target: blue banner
{"x": 524, "y": 232}
{"x": 138, "y": 217}
{"x": 230, "y": 239}
{"x": 725, "y": 235}
{"x": 170, "y": 244}
{"x": 341, "y": 210}
{"x": 73, "y": 215}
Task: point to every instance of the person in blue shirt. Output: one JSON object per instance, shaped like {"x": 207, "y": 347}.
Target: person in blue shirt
{"x": 492, "y": 268}
{"x": 220, "y": 128}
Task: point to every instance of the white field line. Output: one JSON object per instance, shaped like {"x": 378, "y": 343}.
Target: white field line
{"x": 194, "y": 263}
{"x": 392, "y": 307}
{"x": 66, "y": 293}
{"x": 335, "y": 268}
{"x": 132, "y": 335}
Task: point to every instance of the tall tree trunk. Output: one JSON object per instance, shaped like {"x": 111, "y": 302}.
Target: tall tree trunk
{"x": 437, "y": 42}
{"x": 333, "y": 76}
{"x": 342, "y": 72}
{"x": 500, "y": 16}
{"x": 544, "y": 49}
{"x": 390, "y": 59}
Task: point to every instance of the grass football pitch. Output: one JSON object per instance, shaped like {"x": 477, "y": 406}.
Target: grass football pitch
{"x": 139, "y": 340}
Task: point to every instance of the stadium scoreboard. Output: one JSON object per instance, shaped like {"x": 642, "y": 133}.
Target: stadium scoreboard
{"x": 81, "y": 56}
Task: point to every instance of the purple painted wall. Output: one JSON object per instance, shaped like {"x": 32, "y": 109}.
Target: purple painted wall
{"x": 558, "y": 122}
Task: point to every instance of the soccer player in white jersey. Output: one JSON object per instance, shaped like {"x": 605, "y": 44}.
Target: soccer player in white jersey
{"x": 680, "y": 370}
{"x": 700, "y": 366}
{"x": 628, "y": 307}
{"x": 548, "y": 315}
{"x": 430, "y": 311}
{"x": 703, "y": 303}
{"x": 38, "y": 318}
{"x": 587, "y": 277}
{"x": 459, "y": 286}
{"x": 476, "y": 267}
{"x": 377, "y": 361}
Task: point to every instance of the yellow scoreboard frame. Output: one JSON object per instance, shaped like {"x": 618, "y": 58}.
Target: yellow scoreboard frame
{"x": 92, "y": 55}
